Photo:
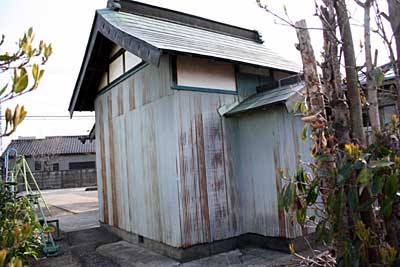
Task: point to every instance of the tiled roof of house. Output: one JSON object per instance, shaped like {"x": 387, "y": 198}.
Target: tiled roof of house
{"x": 52, "y": 145}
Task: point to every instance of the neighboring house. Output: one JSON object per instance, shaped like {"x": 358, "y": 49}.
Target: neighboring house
{"x": 193, "y": 124}
{"x": 57, "y": 161}
{"x": 387, "y": 94}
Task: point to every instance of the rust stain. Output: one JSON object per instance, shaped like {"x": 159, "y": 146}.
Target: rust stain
{"x": 120, "y": 102}
{"x": 281, "y": 212}
{"x": 132, "y": 94}
{"x": 129, "y": 177}
{"x": 145, "y": 89}
{"x": 154, "y": 178}
{"x": 201, "y": 162}
{"x": 185, "y": 212}
{"x": 103, "y": 164}
{"x": 114, "y": 200}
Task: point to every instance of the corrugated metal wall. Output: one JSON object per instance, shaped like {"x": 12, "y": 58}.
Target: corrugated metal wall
{"x": 266, "y": 141}
{"x": 137, "y": 169}
{"x": 172, "y": 169}
{"x": 205, "y": 169}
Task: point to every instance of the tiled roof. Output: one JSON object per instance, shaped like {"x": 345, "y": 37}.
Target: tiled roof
{"x": 170, "y": 36}
{"x": 52, "y": 145}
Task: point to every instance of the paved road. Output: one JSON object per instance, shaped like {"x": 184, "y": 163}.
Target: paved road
{"x": 86, "y": 244}
{"x": 75, "y": 208}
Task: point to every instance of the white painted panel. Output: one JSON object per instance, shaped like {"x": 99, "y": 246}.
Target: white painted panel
{"x": 131, "y": 61}
{"x": 205, "y": 73}
{"x": 116, "y": 68}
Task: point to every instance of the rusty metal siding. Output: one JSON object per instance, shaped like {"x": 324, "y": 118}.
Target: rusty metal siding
{"x": 204, "y": 165}
{"x": 266, "y": 141}
{"x": 140, "y": 141}
{"x": 175, "y": 171}
{"x": 100, "y": 166}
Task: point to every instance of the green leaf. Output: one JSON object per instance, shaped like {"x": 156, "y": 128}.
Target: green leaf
{"x": 20, "y": 81}
{"x": 311, "y": 197}
{"x": 40, "y": 74}
{"x": 324, "y": 158}
{"x": 301, "y": 216}
{"x": 352, "y": 198}
{"x": 288, "y": 196}
{"x": 386, "y": 208}
{"x": 3, "y": 89}
{"x": 303, "y": 107}
{"x": 391, "y": 186}
{"x": 364, "y": 177}
{"x": 35, "y": 71}
{"x": 304, "y": 132}
{"x": 366, "y": 204}
{"x": 377, "y": 184}
{"x": 5, "y": 57}
{"x": 296, "y": 107}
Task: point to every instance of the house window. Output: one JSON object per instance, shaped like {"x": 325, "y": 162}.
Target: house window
{"x": 82, "y": 165}
{"x": 38, "y": 166}
{"x": 203, "y": 73}
{"x": 120, "y": 63}
{"x": 56, "y": 166}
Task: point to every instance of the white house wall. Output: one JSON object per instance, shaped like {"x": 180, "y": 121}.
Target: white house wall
{"x": 136, "y": 143}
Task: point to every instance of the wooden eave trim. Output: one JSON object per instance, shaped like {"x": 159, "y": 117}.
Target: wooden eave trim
{"x": 136, "y": 46}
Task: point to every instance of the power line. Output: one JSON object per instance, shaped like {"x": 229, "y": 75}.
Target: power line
{"x": 54, "y": 116}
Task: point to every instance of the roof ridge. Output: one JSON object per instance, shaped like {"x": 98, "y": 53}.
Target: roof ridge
{"x": 179, "y": 17}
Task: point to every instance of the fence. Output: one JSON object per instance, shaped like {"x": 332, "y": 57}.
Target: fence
{"x": 64, "y": 179}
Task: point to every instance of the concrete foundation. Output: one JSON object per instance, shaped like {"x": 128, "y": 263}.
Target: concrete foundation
{"x": 208, "y": 249}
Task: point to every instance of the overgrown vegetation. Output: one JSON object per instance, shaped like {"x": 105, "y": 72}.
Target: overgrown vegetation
{"x": 349, "y": 193}
{"x": 338, "y": 213}
{"x": 19, "y": 229}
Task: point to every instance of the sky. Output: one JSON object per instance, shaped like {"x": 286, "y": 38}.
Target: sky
{"x": 67, "y": 24}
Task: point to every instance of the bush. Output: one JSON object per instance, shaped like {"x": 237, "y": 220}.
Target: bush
{"x": 19, "y": 229}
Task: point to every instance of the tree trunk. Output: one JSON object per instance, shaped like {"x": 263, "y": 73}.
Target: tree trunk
{"x": 394, "y": 19}
{"x": 313, "y": 86}
{"x": 353, "y": 92}
{"x": 332, "y": 77}
{"x": 372, "y": 92}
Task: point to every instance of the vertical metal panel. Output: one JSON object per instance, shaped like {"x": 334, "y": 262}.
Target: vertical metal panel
{"x": 267, "y": 141}
{"x": 101, "y": 164}
{"x": 113, "y": 178}
{"x": 107, "y": 154}
{"x": 141, "y": 143}
{"x": 205, "y": 203}
{"x": 177, "y": 172}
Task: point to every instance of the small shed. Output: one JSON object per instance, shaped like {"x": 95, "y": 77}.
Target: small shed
{"x": 192, "y": 126}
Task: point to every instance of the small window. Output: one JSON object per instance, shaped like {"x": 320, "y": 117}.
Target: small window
{"x": 56, "y": 166}
{"x": 82, "y": 165}
{"x": 38, "y": 166}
